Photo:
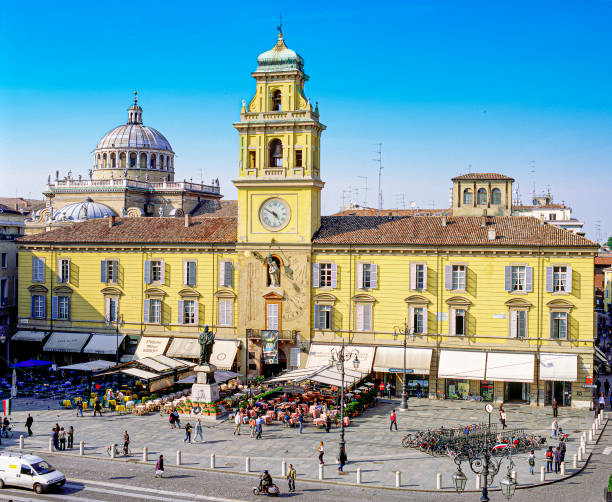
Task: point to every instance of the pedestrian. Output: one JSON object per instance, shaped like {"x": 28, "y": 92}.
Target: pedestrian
{"x": 321, "y": 450}
{"x": 55, "y": 438}
{"x": 171, "y": 420}
{"x": 70, "y": 436}
{"x": 237, "y": 422}
{"x": 393, "y": 419}
{"x": 187, "y": 433}
{"x": 598, "y": 385}
{"x": 341, "y": 460}
{"x": 259, "y": 427}
{"x": 555, "y": 407}
{"x": 419, "y": 390}
{"x": 502, "y": 418}
{"x": 159, "y": 467}
{"x": 30, "y": 421}
{"x": 531, "y": 462}
{"x": 607, "y": 387}
{"x": 301, "y": 419}
{"x": 79, "y": 407}
{"x": 388, "y": 387}
{"x": 381, "y": 388}
{"x": 557, "y": 455}
{"x": 563, "y": 448}
{"x": 549, "y": 459}
{"x": 252, "y": 426}
{"x": 198, "y": 431}
{"x": 5, "y": 426}
{"x": 602, "y": 402}
{"x": 177, "y": 419}
{"x": 554, "y": 432}
{"x": 97, "y": 408}
{"x": 291, "y": 475}
{"x": 62, "y": 439}
{"x": 327, "y": 422}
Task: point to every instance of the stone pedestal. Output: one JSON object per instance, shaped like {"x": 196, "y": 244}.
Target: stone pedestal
{"x": 206, "y": 391}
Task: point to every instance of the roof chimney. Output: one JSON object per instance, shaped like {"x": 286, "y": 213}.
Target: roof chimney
{"x": 390, "y": 215}
{"x": 443, "y": 220}
{"x": 483, "y": 221}
{"x": 111, "y": 221}
{"x": 491, "y": 234}
{"x": 187, "y": 220}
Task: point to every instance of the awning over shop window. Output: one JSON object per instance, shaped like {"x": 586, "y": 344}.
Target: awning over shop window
{"x": 319, "y": 356}
{"x": 391, "y": 360}
{"x": 462, "y": 364}
{"x": 29, "y": 336}
{"x": 151, "y": 346}
{"x": 510, "y": 367}
{"x": 151, "y": 363}
{"x": 559, "y": 367}
{"x": 327, "y": 374}
{"x": 145, "y": 375}
{"x": 90, "y": 366}
{"x": 600, "y": 355}
{"x": 103, "y": 344}
{"x": 62, "y": 341}
{"x": 184, "y": 347}
{"x": 224, "y": 353}
{"x": 173, "y": 363}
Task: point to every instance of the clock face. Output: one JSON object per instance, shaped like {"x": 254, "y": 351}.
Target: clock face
{"x": 274, "y": 214}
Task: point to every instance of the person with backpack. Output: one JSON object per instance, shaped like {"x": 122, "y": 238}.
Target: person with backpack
{"x": 549, "y": 459}
{"x": 393, "y": 419}
{"x": 531, "y": 462}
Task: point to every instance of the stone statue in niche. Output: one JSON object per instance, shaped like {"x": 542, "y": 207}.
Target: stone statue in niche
{"x": 273, "y": 271}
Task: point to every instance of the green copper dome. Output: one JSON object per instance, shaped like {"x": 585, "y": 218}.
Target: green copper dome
{"x": 279, "y": 58}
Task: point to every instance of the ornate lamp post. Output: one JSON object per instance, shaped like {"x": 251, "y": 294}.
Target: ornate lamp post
{"x": 338, "y": 357}
{"x": 405, "y": 331}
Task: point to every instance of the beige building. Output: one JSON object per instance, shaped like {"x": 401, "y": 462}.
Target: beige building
{"x": 475, "y": 194}
{"x": 11, "y": 227}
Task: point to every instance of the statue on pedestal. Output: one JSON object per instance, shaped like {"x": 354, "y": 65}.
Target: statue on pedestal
{"x": 206, "y": 340}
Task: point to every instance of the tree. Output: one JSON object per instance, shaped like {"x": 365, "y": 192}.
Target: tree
{"x": 610, "y": 241}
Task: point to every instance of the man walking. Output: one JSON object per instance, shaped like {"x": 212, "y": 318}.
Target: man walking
{"x": 393, "y": 419}
{"x": 79, "y": 407}
{"x": 554, "y": 429}
{"x": 259, "y": 426}
{"x": 301, "y": 420}
{"x": 55, "y": 437}
{"x": 291, "y": 475}
{"x": 388, "y": 387}
{"x": 557, "y": 456}
{"x": 555, "y": 407}
{"x": 70, "y": 437}
{"x": 198, "y": 431}
{"x": 30, "y": 421}
{"x": 549, "y": 459}
{"x": 237, "y": 422}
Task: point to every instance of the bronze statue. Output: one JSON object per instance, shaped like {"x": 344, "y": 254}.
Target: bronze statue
{"x": 206, "y": 340}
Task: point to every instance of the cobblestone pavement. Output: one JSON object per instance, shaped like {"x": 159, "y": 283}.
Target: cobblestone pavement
{"x": 370, "y": 444}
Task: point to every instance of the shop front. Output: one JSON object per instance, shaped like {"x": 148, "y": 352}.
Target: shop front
{"x": 558, "y": 371}
{"x": 389, "y": 368}
{"x": 515, "y": 371}
{"x": 463, "y": 372}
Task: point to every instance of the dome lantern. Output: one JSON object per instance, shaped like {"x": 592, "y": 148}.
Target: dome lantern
{"x": 135, "y": 112}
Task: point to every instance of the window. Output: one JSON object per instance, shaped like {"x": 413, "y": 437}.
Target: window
{"x": 272, "y": 316}
{"x": 4, "y": 260}
{"x": 226, "y": 312}
{"x": 252, "y": 159}
{"x": 38, "y": 269}
{"x": 276, "y": 153}
{"x": 496, "y": 196}
{"x": 226, "y": 273}
{"x": 109, "y": 271}
{"x": 420, "y": 276}
{"x": 458, "y": 277}
{"x": 324, "y": 275}
{"x": 298, "y": 158}
{"x": 64, "y": 270}
{"x": 156, "y": 274}
{"x": 155, "y": 307}
{"x": 189, "y": 312}
{"x": 559, "y": 279}
{"x": 482, "y": 196}
{"x": 552, "y": 216}
{"x": 518, "y": 323}
{"x": 468, "y": 196}
{"x": 133, "y": 159}
{"x": 518, "y": 278}
{"x": 367, "y": 276}
{"x": 60, "y": 307}
{"x": 38, "y": 307}
{"x": 558, "y": 325}
{"x": 189, "y": 273}
{"x": 363, "y": 317}
{"x": 111, "y": 308}
{"x": 276, "y": 101}
{"x": 460, "y": 325}
{"x": 418, "y": 319}
{"x": 3, "y": 291}
{"x": 323, "y": 316}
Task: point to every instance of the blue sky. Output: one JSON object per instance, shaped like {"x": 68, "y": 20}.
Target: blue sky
{"x": 447, "y": 86}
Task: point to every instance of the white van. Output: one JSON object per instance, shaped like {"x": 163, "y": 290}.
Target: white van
{"x": 28, "y": 471}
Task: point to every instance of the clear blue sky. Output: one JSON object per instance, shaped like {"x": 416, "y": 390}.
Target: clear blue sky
{"x": 509, "y": 87}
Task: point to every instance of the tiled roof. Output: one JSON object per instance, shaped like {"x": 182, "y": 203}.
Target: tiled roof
{"x": 145, "y": 230}
{"x": 547, "y": 206}
{"x": 217, "y": 208}
{"x": 603, "y": 260}
{"x": 7, "y": 210}
{"x": 483, "y": 176}
{"x": 370, "y": 211}
{"x": 459, "y": 231}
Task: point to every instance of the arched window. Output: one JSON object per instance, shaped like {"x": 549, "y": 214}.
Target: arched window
{"x": 276, "y": 153}
{"x": 482, "y": 196}
{"x": 276, "y": 101}
{"x": 104, "y": 161}
{"x": 113, "y": 160}
{"x": 133, "y": 158}
{"x": 496, "y": 196}
{"x": 468, "y": 196}
{"x": 153, "y": 161}
{"x": 143, "y": 160}
{"x": 122, "y": 160}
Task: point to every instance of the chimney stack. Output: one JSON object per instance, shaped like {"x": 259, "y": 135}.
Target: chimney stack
{"x": 111, "y": 221}
{"x": 443, "y": 220}
{"x": 491, "y": 234}
{"x": 390, "y": 215}
{"x": 187, "y": 220}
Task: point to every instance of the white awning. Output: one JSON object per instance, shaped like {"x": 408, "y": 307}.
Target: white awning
{"x": 462, "y": 364}
{"x": 151, "y": 346}
{"x": 559, "y": 367}
{"x": 172, "y": 363}
{"x": 145, "y": 375}
{"x": 292, "y": 376}
{"x": 510, "y": 367}
{"x": 62, "y": 341}
{"x": 327, "y": 374}
{"x": 103, "y": 344}
{"x": 153, "y": 364}
{"x": 600, "y": 355}
{"x": 221, "y": 376}
{"x": 319, "y": 356}
{"x": 29, "y": 336}
{"x": 184, "y": 347}
{"x": 391, "y": 360}
{"x": 224, "y": 353}
{"x": 89, "y": 366}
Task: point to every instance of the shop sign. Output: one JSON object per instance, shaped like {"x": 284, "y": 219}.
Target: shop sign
{"x": 400, "y": 370}
{"x": 269, "y": 344}
{"x": 588, "y": 383}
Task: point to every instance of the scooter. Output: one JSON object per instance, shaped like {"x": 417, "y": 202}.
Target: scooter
{"x": 272, "y": 491}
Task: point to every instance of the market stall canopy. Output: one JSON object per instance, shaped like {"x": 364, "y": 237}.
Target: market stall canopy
{"x": 144, "y": 375}
{"x": 391, "y": 360}
{"x": 28, "y": 336}
{"x": 151, "y": 346}
{"x": 559, "y": 367}
{"x": 462, "y": 364}
{"x": 173, "y": 363}
{"x": 64, "y": 341}
{"x": 103, "y": 344}
{"x": 510, "y": 367}
{"x": 151, "y": 363}
{"x": 92, "y": 366}
{"x": 31, "y": 363}
{"x": 320, "y": 355}
{"x": 184, "y": 347}
{"x": 221, "y": 376}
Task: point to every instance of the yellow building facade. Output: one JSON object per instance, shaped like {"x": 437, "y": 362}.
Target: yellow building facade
{"x": 491, "y": 306}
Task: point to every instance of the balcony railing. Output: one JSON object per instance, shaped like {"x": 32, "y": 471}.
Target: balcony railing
{"x": 127, "y": 183}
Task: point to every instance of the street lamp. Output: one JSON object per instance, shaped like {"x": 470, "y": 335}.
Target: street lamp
{"x": 397, "y": 331}
{"x": 338, "y": 357}
{"x": 459, "y": 479}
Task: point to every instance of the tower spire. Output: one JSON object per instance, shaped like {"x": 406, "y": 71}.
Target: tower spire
{"x": 135, "y": 97}
{"x": 135, "y": 111}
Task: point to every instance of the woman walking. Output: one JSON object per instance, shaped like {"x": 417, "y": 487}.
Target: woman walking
{"x": 198, "y": 431}
{"x": 321, "y": 449}
{"x": 341, "y": 460}
{"x": 531, "y": 462}
{"x": 159, "y": 467}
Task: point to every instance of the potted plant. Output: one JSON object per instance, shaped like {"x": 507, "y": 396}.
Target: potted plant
{"x": 608, "y": 491}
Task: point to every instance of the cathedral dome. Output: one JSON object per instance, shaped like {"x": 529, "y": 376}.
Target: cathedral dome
{"x": 135, "y": 136}
{"x": 86, "y": 210}
{"x": 279, "y": 58}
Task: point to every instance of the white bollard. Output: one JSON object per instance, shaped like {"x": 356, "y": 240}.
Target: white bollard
{"x": 542, "y": 474}
{"x": 321, "y": 476}
{"x": 575, "y": 461}
{"x": 178, "y": 457}
{"x": 478, "y": 482}
{"x": 439, "y": 481}
{"x": 580, "y": 455}
{"x": 358, "y": 475}
{"x": 145, "y": 454}
{"x": 82, "y": 448}
{"x": 513, "y": 474}
{"x": 247, "y": 464}
{"x": 50, "y": 444}
{"x": 583, "y": 450}
{"x": 113, "y": 448}
{"x": 562, "y": 468}
{"x": 21, "y": 441}
{"x": 283, "y": 468}
{"x": 590, "y": 435}
{"x": 398, "y": 479}
{"x": 212, "y": 460}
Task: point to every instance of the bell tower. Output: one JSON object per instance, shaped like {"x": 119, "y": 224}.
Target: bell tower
{"x": 279, "y": 184}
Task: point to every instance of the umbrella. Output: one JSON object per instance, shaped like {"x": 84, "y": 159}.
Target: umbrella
{"x": 31, "y": 363}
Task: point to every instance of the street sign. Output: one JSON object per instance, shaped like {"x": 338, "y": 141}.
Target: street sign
{"x": 489, "y": 408}
{"x": 400, "y": 370}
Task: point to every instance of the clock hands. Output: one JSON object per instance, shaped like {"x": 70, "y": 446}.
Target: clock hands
{"x": 272, "y": 212}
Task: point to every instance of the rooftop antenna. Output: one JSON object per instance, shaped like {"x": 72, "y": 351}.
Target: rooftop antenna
{"x": 365, "y": 190}
{"x": 201, "y": 177}
{"x": 380, "y": 168}
{"x": 532, "y": 172}
{"x": 598, "y": 231}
